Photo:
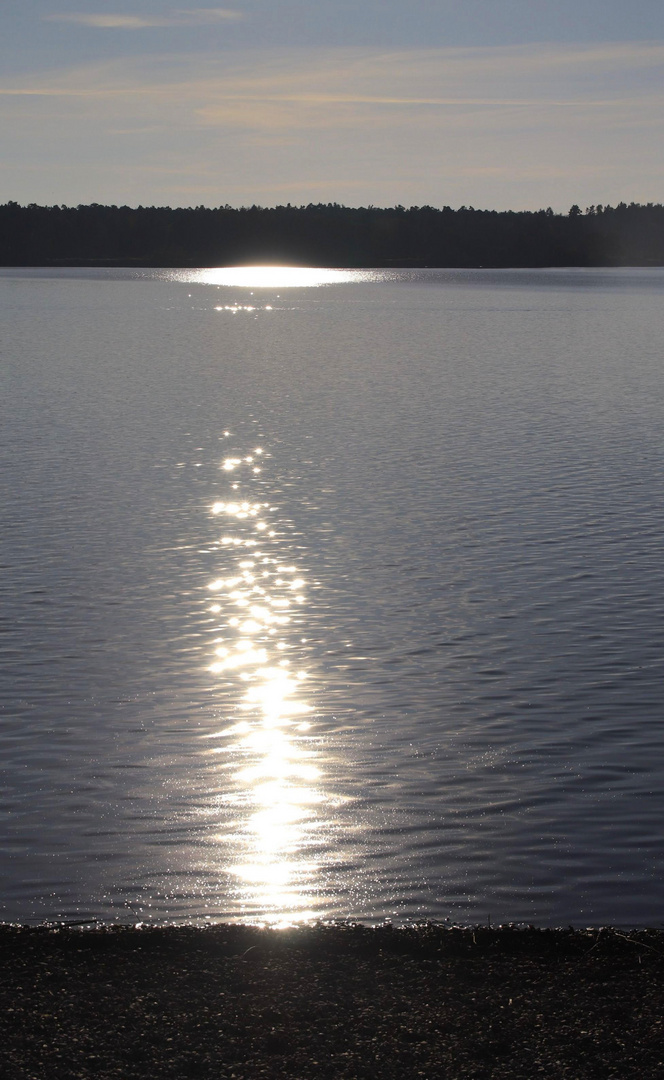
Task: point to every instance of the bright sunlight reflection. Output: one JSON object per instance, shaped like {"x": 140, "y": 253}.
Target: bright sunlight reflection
{"x": 274, "y": 277}
{"x": 266, "y": 748}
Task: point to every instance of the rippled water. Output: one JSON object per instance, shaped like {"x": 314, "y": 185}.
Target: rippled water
{"x": 332, "y": 594}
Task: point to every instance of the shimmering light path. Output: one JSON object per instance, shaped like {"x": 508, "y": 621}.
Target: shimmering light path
{"x": 259, "y": 605}
{"x": 274, "y": 277}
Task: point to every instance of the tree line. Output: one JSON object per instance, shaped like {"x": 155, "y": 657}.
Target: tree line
{"x": 328, "y": 234}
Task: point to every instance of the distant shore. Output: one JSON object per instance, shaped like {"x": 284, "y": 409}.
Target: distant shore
{"x": 341, "y": 1001}
{"x": 330, "y": 235}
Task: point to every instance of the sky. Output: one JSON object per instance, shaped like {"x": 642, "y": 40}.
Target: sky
{"x": 496, "y": 104}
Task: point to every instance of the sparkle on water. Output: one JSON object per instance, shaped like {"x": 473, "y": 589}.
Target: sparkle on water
{"x": 274, "y": 766}
{"x": 272, "y": 277}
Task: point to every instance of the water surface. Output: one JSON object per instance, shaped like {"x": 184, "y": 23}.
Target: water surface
{"x": 332, "y": 596}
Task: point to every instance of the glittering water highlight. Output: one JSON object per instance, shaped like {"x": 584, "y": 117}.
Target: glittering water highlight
{"x": 273, "y": 769}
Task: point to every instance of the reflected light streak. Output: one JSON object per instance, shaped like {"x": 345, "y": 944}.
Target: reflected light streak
{"x": 268, "y": 753}
{"x": 275, "y": 277}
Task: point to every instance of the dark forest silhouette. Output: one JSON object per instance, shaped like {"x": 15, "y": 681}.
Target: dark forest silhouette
{"x": 330, "y": 235}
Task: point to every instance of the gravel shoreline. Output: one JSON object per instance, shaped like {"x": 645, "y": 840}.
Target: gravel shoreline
{"x": 344, "y": 1001}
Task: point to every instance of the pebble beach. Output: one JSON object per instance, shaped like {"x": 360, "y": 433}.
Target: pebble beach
{"x": 335, "y": 1001}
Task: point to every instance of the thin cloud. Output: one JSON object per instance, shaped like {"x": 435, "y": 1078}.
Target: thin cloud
{"x": 301, "y": 89}
{"x": 190, "y": 17}
{"x": 517, "y": 127}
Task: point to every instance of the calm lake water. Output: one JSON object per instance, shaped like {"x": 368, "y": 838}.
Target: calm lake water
{"x": 332, "y": 595}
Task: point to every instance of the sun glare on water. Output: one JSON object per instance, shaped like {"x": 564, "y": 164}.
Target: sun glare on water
{"x": 274, "y": 277}
{"x": 265, "y": 748}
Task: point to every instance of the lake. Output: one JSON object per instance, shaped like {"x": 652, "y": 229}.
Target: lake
{"x": 332, "y": 595}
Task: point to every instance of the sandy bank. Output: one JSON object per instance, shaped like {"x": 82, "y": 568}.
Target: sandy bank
{"x": 352, "y": 1002}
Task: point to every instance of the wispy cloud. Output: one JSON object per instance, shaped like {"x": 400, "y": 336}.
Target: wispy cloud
{"x": 306, "y": 86}
{"x": 181, "y": 17}
{"x": 544, "y": 124}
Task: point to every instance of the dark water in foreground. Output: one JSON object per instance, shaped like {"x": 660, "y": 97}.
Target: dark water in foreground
{"x": 332, "y": 597}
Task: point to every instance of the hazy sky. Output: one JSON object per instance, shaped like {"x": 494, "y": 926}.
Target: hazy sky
{"x": 514, "y": 104}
